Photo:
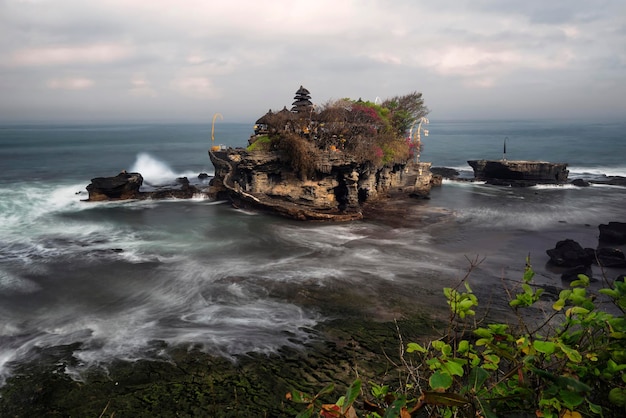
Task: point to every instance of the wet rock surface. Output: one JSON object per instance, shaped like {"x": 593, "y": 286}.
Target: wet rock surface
{"x": 126, "y": 186}
{"x": 188, "y": 382}
{"x": 519, "y": 173}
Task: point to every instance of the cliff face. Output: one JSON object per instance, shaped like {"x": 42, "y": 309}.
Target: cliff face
{"x": 265, "y": 179}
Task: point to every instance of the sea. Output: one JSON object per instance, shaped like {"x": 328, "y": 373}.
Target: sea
{"x": 122, "y": 279}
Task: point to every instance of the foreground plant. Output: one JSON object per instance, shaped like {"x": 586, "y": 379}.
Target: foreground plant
{"x": 573, "y": 364}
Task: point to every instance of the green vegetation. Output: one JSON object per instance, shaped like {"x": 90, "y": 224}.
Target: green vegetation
{"x": 370, "y": 133}
{"x": 570, "y": 364}
{"x": 262, "y": 143}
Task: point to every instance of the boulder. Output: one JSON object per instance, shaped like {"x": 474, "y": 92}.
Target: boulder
{"x": 613, "y": 232}
{"x": 571, "y": 274}
{"x": 610, "y": 257}
{"x": 123, "y": 186}
{"x": 569, "y": 253}
{"x": 126, "y": 186}
{"x": 445, "y": 172}
{"x": 581, "y": 183}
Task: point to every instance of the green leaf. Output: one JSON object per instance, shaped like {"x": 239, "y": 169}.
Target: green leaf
{"x": 440, "y": 380}
{"x": 307, "y": 413}
{"x": 438, "y": 345}
{"x": 483, "y": 332}
{"x": 463, "y": 346}
{"x": 300, "y": 397}
{"x": 617, "y": 396}
{"x": 412, "y": 347}
{"x": 583, "y": 281}
{"x": 596, "y": 409}
{"x": 571, "y": 354}
{"x": 351, "y": 395}
{"x": 453, "y": 368}
{"x": 528, "y": 273}
{"x": 477, "y": 378}
{"x": 467, "y": 287}
{"x": 558, "y": 305}
{"x": 610, "y": 292}
{"x": 570, "y": 398}
{"x": 379, "y": 391}
{"x": 327, "y": 390}
{"x": 545, "y": 347}
{"x": 395, "y": 409}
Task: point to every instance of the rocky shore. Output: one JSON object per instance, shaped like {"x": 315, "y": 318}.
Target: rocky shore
{"x": 337, "y": 191}
{"x": 126, "y": 186}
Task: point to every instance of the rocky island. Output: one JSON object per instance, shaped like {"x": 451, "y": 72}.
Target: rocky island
{"x": 519, "y": 173}
{"x": 327, "y": 162}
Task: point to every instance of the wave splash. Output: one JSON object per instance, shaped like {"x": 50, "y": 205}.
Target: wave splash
{"x": 156, "y": 172}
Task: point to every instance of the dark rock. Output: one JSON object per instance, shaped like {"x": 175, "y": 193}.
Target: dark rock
{"x": 611, "y": 180}
{"x": 126, "y": 186}
{"x": 519, "y": 173}
{"x": 123, "y": 186}
{"x": 617, "y": 181}
{"x": 581, "y": 183}
{"x": 569, "y": 253}
{"x": 551, "y": 292}
{"x": 571, "y": 274}
{"x": 614, "y": 232}
{"x": 445, "y": 172}
{"x": 183, "y": 180}
{"x": 203, "y": 176}
{"x": 610, "y": 257}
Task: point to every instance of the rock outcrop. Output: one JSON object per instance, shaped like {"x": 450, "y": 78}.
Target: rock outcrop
{"x": 340, "y": 185}
{"x": 121, "y": 187}
{"x": 519, "y": 173}
{"x": 569, "y": 253}
{"x": 613, "y": 232}
{"x": 126, "y": 186}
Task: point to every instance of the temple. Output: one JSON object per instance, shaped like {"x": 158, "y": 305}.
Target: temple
{"x": 325, "y": 162}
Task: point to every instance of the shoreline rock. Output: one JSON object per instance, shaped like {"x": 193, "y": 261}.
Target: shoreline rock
{"x": 126, "y": 186}
{"x": 336, "y": 191}
{"x": 519, "y": 173}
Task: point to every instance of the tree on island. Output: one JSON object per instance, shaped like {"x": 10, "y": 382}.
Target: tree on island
{"x": 371, "y": 133}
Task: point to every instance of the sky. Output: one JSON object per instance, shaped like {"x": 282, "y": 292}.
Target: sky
{"x": 185, "y": 60}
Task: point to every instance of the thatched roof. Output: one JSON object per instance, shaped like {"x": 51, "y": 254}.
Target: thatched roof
{"x": 266, "y": 118}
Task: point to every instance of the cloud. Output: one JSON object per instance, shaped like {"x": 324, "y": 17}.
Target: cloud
{"x": 142, "y": 87}
{"x": 195, "y": 87}
{"x": 64, "y": 55}
{"x": 248, "y": 56}
{"x": 69, "y": 84}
